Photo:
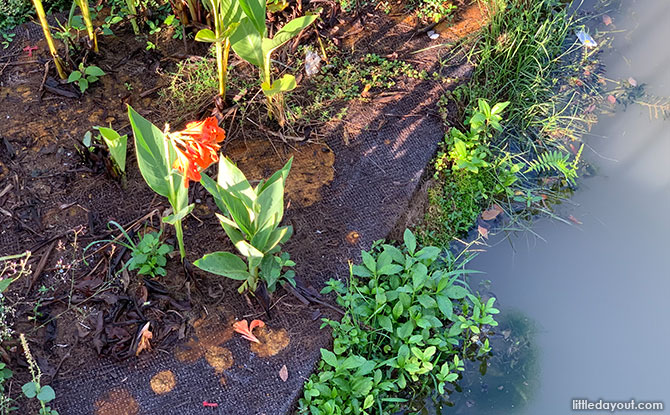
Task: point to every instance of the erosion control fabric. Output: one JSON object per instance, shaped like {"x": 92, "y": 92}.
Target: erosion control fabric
{"x": 380, "y": 152}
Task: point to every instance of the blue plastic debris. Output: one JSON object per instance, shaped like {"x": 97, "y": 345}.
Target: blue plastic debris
{"x": 586, "y": 39}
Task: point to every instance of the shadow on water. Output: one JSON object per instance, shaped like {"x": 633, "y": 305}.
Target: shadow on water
{"x": 508, "y": 379}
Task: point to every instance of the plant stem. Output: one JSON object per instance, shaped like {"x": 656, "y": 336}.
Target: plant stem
{"x": 180, "y": 239}
{"x": 191, "y": 9}
{"x": 47, "y": 35}
{"x": 85, "y": 14}
{"x": 133, "y": 20}
{"x": 220, "y": 68}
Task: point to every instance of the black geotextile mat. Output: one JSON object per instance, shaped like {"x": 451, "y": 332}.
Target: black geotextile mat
{"x": 381, "y": 150}
{"x": 376, "y": 175}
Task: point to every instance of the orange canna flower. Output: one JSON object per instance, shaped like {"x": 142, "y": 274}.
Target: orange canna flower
{"x": 197, "y": 147}
{"x": 245, "y": 329}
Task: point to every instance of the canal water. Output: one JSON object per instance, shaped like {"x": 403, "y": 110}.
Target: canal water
{"x": 586, "y": 307}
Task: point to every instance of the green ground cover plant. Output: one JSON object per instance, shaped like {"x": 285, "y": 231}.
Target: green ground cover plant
{"x": 35, "y": 389}
{"x": 410, "y": 322}
{"x": 469, "y": 173}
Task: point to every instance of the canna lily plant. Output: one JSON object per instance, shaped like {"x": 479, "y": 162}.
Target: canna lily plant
{"x": 251, "y": 221}
{"x": 226, "y": 15}
{"x": 251, "y": 43}
{"x": 168, "y": 161}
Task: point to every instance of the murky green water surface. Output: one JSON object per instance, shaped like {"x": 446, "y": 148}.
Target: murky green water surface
{"x": 586, "y": 311}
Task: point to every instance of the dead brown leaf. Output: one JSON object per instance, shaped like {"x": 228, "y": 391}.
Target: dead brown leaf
{"x": 492, "y": 213}
{"x": 607, "y": 20}
{"x": 283, "y": 373}
{"x": 145, "y": 337}
{"x": 483, "y": 231}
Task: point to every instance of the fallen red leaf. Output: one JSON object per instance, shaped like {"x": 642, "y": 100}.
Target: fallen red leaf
{"x": 245, "y": 329}
{"x": 209, "y": 404}
{"x": 607, "y": 20}
{"x": 632, "y": 81}
{"x": 483, "y": 231}
{"x": 611, "y": 99}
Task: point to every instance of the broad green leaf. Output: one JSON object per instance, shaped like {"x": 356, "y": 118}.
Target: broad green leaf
{"x": 206, "y": 35}
{"x": 233, "y": 233}
{"x": 369, "y": 261}
{"x": 247, "y": 42}
{"x": 286, "y": 33}
{"x": 231, "y": 179}
{"x": 284, "y": 84}
{"x": 484, "y": 107}
{"x": 29, "y": 389}
{"x": 230, "y": 14}
{"x": 456, "y": 292}
{"x": 446, "y": 306}
{"x": 254, "y": 256}
{"x": 225, "y": 264}
{"x": 429, "y": 253}
{"x": 175, "y": 217}
{"x": 385, "y": 323}
{"x": 4, "y": 284}
{"x": 150, "y": 147}
{"x": 271, "y": 206}
{"x": 94, "y": 71}
{"x": 83, "y": 85}
{"x": 224, "y": 220}
{"x": 279, "y": 174}
{"x": 117, "y": 145}
{"x": 427, "y": 301}
{"x": 369, "y": 400}
{"x": 214, "y": 189}
{"x": 255, "y": 11}
{"x": 398, "y": 310}
{"x": 352, "y": 362}
{"x": 276, "y": 237}
{"x": 74, "y": 76}
{"x": 410, "y": 241}
{"x": 499, "y": 107}
{"x": 405, "y": 330}
{"x": 329, "y": 357}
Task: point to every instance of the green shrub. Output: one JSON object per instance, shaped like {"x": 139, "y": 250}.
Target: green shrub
{"x": 410, "y": 322}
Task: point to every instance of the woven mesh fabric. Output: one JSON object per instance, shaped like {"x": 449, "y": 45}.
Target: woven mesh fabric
{"x": 381, "y": 150}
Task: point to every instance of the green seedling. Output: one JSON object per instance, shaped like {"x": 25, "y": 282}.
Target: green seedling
{"x": 85, "y": 76}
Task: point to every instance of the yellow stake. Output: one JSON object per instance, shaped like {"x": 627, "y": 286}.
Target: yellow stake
{"x": 47, "y": 35}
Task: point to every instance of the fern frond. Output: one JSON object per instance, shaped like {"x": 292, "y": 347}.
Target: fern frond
{"x": 554, "y": 160}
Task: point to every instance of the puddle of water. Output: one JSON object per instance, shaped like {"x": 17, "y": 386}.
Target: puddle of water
{"x": 585, "y": 310}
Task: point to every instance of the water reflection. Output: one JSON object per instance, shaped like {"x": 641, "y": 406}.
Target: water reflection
{"x": 511, "y": 377}
{"x": 598, "y": 290}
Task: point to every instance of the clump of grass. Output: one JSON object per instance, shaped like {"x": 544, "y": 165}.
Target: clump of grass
{"x": 192, "y": 84}
{"x": 522, "y": 56}
{"x": 345, "y": 79}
